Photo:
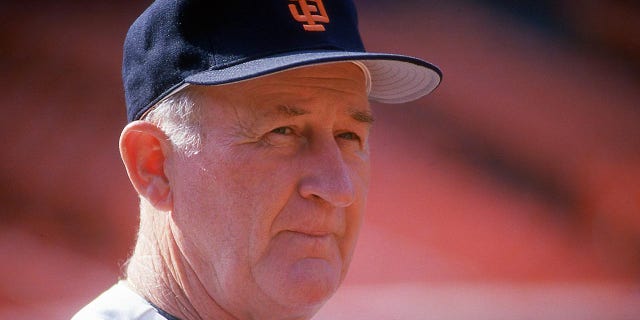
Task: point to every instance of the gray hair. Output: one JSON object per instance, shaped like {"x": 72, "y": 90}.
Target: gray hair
{"x": 179, "y": 117}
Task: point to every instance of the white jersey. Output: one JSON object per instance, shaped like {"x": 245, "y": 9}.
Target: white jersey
{"x": 119, "y": 303}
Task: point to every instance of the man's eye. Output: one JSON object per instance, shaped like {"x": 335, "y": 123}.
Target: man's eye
{"x": 282, "y": 130}
{"x": 349, "y": 136}
{"x": 281, "y": 137}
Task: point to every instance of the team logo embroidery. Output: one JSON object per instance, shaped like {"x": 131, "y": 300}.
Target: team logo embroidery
{"x": 310, "y": 13}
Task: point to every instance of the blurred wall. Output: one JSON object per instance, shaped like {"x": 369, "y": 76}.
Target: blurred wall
{"x": 521, "y": 171}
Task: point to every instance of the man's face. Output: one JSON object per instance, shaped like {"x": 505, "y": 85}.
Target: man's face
{"x": 268, "y": 213}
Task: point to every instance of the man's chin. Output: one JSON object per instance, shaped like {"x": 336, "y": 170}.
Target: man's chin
{"x": 314, "y": 280}
{"x": 306, "y": 284}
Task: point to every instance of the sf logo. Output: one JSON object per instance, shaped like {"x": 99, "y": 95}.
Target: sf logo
{"x": 310, "y": 13}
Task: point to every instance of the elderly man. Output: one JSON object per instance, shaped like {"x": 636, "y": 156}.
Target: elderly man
{"x": 248, "y": 144}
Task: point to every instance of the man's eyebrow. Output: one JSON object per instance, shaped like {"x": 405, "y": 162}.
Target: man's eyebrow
{"x": 293, "y": 111}
{"x": 289, "y": 111}
{"x": 362, "y": 116}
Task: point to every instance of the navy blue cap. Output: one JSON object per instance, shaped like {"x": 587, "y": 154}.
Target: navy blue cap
{"x": 179, "y": 42}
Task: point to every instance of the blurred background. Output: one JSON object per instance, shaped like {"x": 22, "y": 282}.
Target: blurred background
{"x": 512, "y": 192}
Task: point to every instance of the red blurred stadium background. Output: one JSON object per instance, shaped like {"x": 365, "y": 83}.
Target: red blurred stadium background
{"x": 512, "y": 192}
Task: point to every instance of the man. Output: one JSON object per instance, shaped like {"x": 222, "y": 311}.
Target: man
{"x": 248, "y": 143}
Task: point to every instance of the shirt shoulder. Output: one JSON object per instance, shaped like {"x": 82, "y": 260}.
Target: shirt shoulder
{"x": 118, "y": 303}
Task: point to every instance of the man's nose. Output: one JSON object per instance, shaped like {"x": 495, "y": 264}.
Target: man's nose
{"x": 327, "y": 176}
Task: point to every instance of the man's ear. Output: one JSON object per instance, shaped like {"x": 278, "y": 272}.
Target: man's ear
{"x": 144, "y": 149}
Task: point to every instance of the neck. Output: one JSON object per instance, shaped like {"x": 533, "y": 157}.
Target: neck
{"x": 159, "y": 273}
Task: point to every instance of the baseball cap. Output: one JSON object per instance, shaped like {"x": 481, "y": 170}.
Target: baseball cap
{"x": 176, "y": 43}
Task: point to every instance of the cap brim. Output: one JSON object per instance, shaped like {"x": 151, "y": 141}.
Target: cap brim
{"x": 394, "y": 78}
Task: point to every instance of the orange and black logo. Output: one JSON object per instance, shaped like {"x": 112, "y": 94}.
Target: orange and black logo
{"x": 311, "y": 13}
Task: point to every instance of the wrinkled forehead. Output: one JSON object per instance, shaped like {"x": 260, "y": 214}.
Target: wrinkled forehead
{"x": 333, "y": 88}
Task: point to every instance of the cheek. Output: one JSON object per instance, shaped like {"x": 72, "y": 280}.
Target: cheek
{"x": 355, "y": 213}
{"x": 231, "y": 203}
{"x": 354, "y": 219}
{"x": 225, "y": 213}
